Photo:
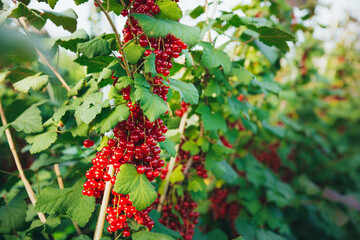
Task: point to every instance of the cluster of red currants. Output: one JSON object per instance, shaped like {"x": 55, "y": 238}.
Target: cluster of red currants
{"x": 135, "y": 139}
{"x": 185, "y": 207}
{"x": 184, "y": 107}
{"x": 164, "y": 48}
{"x": 120, "y": 210}
{"x": 222, "y": 209}
{"x": 135, "y": 142}
{"x": 269, "y": 156}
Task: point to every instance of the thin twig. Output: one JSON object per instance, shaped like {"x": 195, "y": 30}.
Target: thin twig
{"x": 58, "y": 175}
{"x": 172, "y": 161}
{"x": 27, "y": 185}
{"x": 188, "y": 166}
{"x": 117, "y": 37}
{"x": 104, "y": 205}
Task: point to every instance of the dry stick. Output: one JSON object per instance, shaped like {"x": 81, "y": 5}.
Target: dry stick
{"x": 104, "y": 205}
{"x": 27, "y": 185}
{"x": 58, "y": 176}
{"x": 66, "y": 86}
{"x": 117, "y": 37}
{"x": 188, "y": 166}
{"x": 172, "y": 162}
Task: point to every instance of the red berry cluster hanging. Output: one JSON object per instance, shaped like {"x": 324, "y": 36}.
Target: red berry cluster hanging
{"x": 120, "y": 209}
{"x": 185, "y": 206}
{"x": 135, "y": 139}
{"x": 184, "y": 107}
{"x": 165, "y": 48}
{"x": 269, "y": 156}
{"x": 222, "y": 209}
{"x": 135, "y": 142}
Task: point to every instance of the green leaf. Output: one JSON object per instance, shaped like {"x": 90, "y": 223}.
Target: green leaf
{"x": 12, "y": 215}
{"x": 68, "y": 201}
{"x": 52, "y": 3}
{"x": 177, "y": 175}
{"x": 277, "y": 130}
{"x": 29, "y": 121}
{"x": 18, "y": 73}
{"x": 222, "y": 170}
{"x": 31, "y": 15}
{"x": 141, "y": 191}
{"x": 44, "y": 160}
{"x": 246, "y": 229}
{"x": 149, "y": 64}
{"x": 169, "y": 146}
{"x": 106, "y": 73}
{"x": 191, "y": 147}
{"x": 90, "y": 108}
{"x": 144, "y": 235}
{"x": 203, "y": 143}
{"x": 119, "y": 71}
{"x": 212, "y": 89}
{"x": 66, "y": 19}
{"x": 238, "y": 108}
{"x": 189, "y": 62}
{"x": 242, "y": 74}
{"x": 135, "y": 225}
{"x": 3, "y": 128}
{"x": 123, "y": 82}
{"x": 80, "y": 207}
{"x": 35, "y": 82}
{"x": 152, "y": 105}
{"x": 114, "y": 6}
{"x": 162, "y": 27}
{"x": 96, "y": 64}
{"x": 271, "y": 53}
{"x": 188, "y": 91}
{"x": 141, "y": 80}
{"x": 42, "y": 141}
{"x": 133, "y": 52}
{"x": 219, "y": 149}
{"x": 197, "y": 184}
{"x": 81, "y": 130}
{"x": 273, "y": 36}
{"x": 196, "y": 12}
{"x": 213, "y": 58}
{"x": 211, "y": 121}
{"x": 94, "y": 47}
{"x": 216, "y": 234}
{"x": 169, "y": 10}
{"x": 159, "y": 228}
{"x": 74, "y": 91}
{"x": 110, "y": 117}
